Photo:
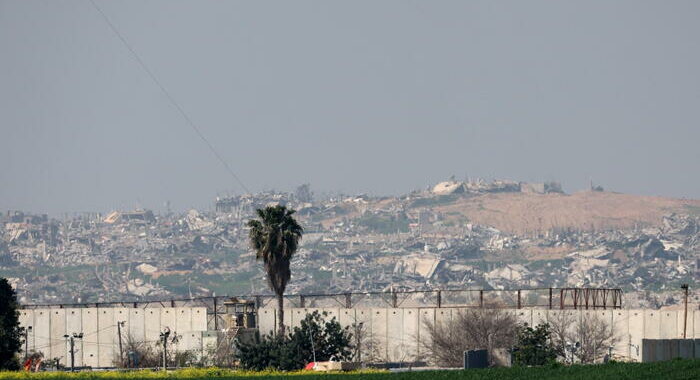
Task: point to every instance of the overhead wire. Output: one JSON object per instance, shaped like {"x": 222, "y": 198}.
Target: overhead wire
{"x": 170, "y": 98}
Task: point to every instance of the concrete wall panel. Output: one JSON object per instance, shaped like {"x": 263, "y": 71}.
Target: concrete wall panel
{"x": 696, "y": 325}
{"x": 663, "y": 350}
{"x": 363, "y": 318}
{"x": 427, "y": 316}
{"x": 168, "y": 319}
{"x": 396, "y": 347}
{"x": 636, "y": 328}
{"x": 296, "y": 315}
{"x": 652, "y": 324}
{"x": 190, "y": 341}
{"x": 668, "y": 328}
{"x": 121, "y": 314}
{"x": 136, "y": 327}
{"x": 183, "y": 321}
{"x": 620, "y": 326}
{"x": 347, "y": 318}
{"x": 686, "y": 348}
{"x": 91, "y": 348}
{"x": 267, "y": 320}
{"x": 411, "y": 333}
{"x": 58, "y": 330}
{"x": 379, "y": 332}
{"x": 152, "y": 328}
{"x": 443, "y": 315}
{"x": 106, "y": 336}
{"x": 524, "y": 316}
{"x": 199, "y": 319}
{"x": 74, "y": 324}
{"x": 539, "y": 317}
{"x": 288, "y": 317}
{"x": 26, "y": 319}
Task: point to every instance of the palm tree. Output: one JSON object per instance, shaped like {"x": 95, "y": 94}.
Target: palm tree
{"x": 275, "y": 238}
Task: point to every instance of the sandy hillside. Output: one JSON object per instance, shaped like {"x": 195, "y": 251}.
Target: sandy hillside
{"x": 527, "y": 213}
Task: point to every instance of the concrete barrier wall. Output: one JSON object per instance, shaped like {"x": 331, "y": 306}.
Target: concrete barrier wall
{"x": 667, "y": 349}
{"x": 399, "y": 334}
{"x": 100, "y": 344}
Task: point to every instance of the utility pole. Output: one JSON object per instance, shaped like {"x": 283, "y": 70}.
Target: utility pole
{"x": 120, "y": 324}
{"x": 685, "y": 314}
{"x": 26, "y": 342}
{"x": 164, "y": 339}
{"x": 71, "y": 339}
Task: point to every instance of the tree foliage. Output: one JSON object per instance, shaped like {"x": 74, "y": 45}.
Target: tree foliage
{"x": 315, "y": 336}
{"x": 534, "y": 346}
{"x": 10, "y": 331}
{"x": 275, "y": 237}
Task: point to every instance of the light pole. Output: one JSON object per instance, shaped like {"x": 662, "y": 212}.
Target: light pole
{"x": 71, "y": 339}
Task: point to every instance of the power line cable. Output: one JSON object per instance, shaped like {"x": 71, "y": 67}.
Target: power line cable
{"x": 169, "y": 97}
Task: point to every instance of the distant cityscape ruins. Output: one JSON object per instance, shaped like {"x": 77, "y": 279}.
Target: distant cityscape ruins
{"x": 476, "y": 234}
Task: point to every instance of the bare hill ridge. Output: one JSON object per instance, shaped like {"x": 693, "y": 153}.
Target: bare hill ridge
{"x": 522, "y": 213}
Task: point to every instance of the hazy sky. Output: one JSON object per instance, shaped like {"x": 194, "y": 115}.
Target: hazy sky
{"x": 381, "y": 97}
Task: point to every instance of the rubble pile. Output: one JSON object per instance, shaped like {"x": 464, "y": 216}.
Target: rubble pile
{"x": 352, "y": 243}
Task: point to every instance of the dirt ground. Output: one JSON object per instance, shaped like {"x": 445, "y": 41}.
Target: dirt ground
{"x": 534, "y": 213}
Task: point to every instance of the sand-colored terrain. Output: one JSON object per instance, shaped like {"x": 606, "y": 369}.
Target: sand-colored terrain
{"x": 531, "y": 213}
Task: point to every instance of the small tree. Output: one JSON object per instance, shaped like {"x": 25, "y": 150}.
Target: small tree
{"x": 315, "y": 337}
{"x": 469, "y": 330}
{"x": 595, "y": 336}
{"x": 138, "y": 354}
{"x": 365, "y": 347}
{"x": 10, "y": 331}
{"x": 534, "y": 346}
{"x": 593, "y": 333}
{"x": 330, "y": 339}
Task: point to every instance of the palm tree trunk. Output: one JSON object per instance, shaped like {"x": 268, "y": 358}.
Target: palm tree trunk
{"x": 280, "y": 314}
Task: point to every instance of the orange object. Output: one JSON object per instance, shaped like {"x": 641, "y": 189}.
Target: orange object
{"x": 310, "y": 366}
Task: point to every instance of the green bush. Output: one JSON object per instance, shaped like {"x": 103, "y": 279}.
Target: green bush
{"x": 315, "y": 337}
{"x": 534, "y": 346}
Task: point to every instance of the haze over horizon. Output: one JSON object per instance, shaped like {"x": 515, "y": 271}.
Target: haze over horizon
{"x": 382, "y": 102}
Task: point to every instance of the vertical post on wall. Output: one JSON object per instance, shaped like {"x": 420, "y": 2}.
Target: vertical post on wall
{"x": 550, "y": 298}
{"x": 439, "y": 298}
{"x": 519, "y": 301}
{"x": 216, "y": 314}
{"x": 119, "y": 336}
{"x": 561, "y": 299}
{"x": 481, "y": 298}
{"x": 685, "y": 314}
